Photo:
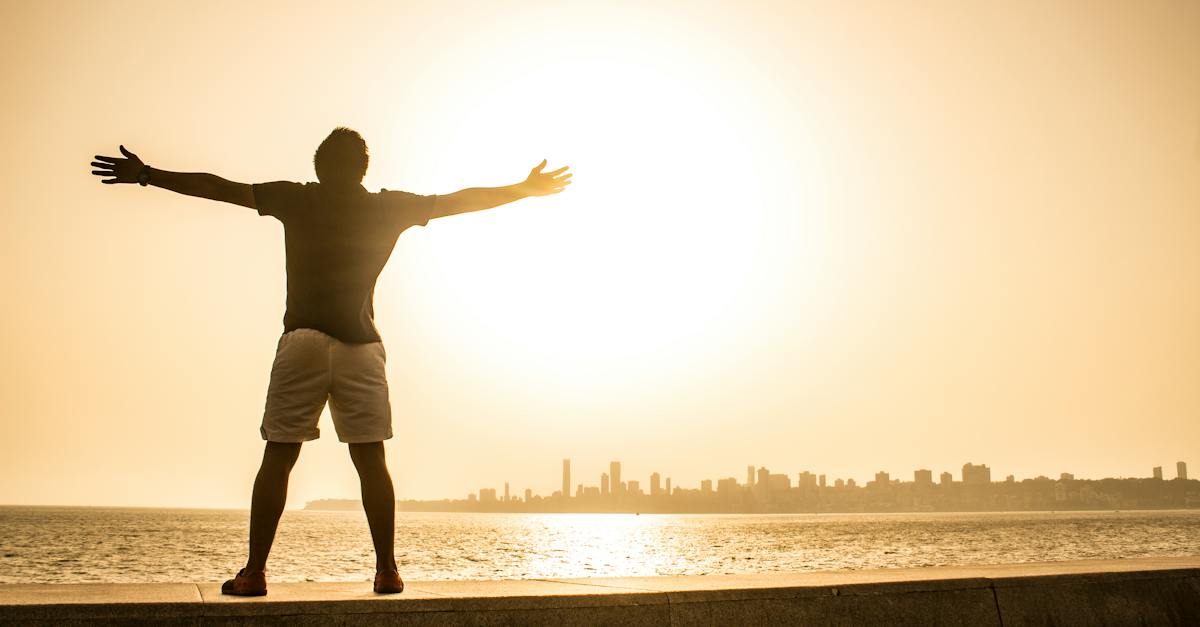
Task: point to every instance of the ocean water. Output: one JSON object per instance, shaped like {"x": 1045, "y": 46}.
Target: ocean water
{"x": 61, "y": 544}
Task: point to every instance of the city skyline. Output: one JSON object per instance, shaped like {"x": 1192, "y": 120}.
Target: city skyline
{"x": 969, "y": 474}
{"x": 768, "y": 492}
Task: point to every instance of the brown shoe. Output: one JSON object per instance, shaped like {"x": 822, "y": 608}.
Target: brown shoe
{"x": 246, "y": 584}
{"x": 388, "y": 582}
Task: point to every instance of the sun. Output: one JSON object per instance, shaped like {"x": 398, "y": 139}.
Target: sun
{"x": 649, "y": 263}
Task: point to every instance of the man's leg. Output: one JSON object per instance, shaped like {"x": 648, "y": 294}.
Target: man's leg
{"x": 379, "y": 501}
{"x": 270, "y": 494}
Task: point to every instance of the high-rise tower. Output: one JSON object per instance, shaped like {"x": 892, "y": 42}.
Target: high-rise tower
{"x": 976, "y": 474}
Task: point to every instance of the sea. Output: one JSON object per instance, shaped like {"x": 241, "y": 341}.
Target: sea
{"x": 93, "y": 544}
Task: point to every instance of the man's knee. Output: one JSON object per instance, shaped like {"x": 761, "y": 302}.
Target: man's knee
{"x": 281, "y": 455}
{"x": 368, "y": 456}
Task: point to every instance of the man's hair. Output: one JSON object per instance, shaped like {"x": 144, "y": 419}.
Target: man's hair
{"x": 342, "y": 158}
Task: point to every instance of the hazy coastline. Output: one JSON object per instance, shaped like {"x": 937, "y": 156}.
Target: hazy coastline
{"x": 880, "y": 496}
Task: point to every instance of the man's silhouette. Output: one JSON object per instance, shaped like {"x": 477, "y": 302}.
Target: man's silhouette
{"x": 338, "y": 236}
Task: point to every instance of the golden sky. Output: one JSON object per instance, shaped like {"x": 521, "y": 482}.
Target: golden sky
{"x": 837, "y": 237}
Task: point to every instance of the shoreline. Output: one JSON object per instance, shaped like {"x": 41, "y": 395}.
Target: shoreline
{"x": 309, "y": 508}
{"x": 1160, "y": 591}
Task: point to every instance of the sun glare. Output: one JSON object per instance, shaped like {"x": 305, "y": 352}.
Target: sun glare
{"x": 647, "y": 261}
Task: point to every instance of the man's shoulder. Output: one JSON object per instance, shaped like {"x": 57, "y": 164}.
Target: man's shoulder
{"x": 283, "y": 187}
{"x": 278, "y": 198}
{"x": 291, "y": 184}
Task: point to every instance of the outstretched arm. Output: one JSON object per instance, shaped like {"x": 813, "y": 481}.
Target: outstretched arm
{"x": 131, "y": 169}
{"x": 538, "y": 183}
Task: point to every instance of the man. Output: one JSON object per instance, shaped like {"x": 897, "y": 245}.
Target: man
{"x": 338, "y": 236}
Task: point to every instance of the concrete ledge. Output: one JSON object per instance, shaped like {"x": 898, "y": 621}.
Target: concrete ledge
{"x": 1163, "y": 591}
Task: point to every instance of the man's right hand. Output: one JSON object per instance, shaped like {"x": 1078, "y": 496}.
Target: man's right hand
{"x": 120, "y": 170}
{"x": 202, "y": 185}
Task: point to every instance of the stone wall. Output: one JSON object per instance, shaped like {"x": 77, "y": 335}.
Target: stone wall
{"x": 1163, "y": 591}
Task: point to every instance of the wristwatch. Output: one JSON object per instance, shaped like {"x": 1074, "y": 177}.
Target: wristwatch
{"x": 143, "y": 177}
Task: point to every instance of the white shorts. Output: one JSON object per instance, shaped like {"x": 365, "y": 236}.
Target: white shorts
{"x": 311, "y": 368}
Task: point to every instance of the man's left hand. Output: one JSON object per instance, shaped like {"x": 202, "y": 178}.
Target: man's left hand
{"x": 541, "y": 183}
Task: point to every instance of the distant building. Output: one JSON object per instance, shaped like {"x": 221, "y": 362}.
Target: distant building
{"x": 1158, "y": 472}
{"x": 579, "y": 490}
{"x": 750, "y": 476}
{"x": 506, "y": 497}
{"x": 706, "y": 486}
{"x": 923, "y": 477}
{"x": 1066, "y": 476}
{"x": 839, "y": 483}
{"x": 821, "y": 480}
{"x": 668, "y": 488}
{"x": 1180, "y": 470}
{"x": 1010, "y": 479}
{"x": 779, "y": 483}
{"x": 614, "y": 475}
{"x": 471, "y": 498}
{"x": 591, "y": 491}
{"x": 850, "y": 483}
{"x": 655, "y": 481}
{"x": 727, "y": 488}
{"x": 528, "y": 495}
{"x": 807, "y": 480}
{"x": 604, "y": 484}
{"x": 946, "y": 478}
{"x": 633, "y": 488}
{"x": 487, "y": 495}
{"x": 882, "y": 479}
{"x": 976, "y": 474}
{"x": 566, "y": 478}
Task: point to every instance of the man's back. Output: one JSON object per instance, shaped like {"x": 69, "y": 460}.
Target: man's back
{"x": 337, "y": 241}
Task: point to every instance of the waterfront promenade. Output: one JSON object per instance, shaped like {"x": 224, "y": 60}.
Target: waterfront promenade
{"x": 1153, "y": 591}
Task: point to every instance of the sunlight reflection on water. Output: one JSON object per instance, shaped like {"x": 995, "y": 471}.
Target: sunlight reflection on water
{"x": 125, "y": 545}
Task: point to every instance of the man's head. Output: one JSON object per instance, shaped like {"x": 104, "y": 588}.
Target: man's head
{"x": 342, "y": 158}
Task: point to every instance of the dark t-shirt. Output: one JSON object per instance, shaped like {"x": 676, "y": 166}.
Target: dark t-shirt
{"x": 337, "y": 243}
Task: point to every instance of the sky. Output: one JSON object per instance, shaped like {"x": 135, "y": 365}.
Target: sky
{"x": 834, "y": 237}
